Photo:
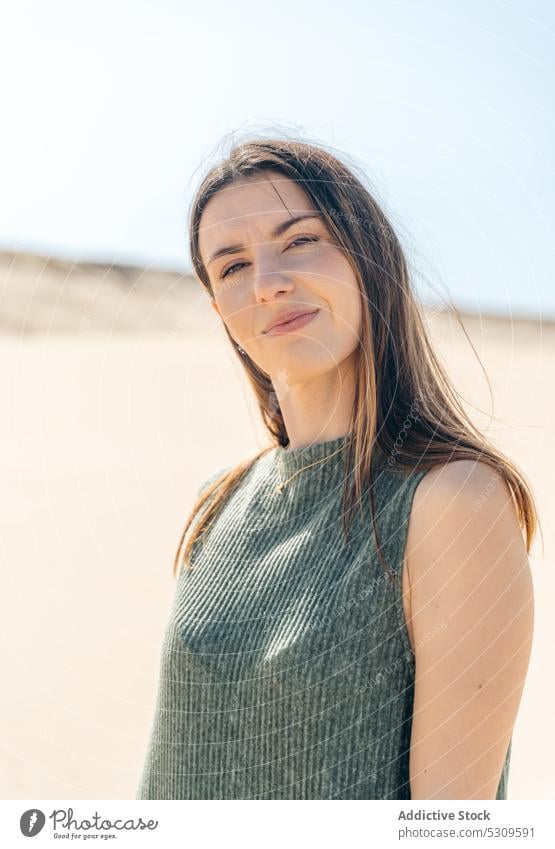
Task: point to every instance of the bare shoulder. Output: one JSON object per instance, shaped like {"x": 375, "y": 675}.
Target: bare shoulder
{"x": 462, "y": 518}
{"x": 471, "y": 482}
{"x": 458, "y": 508}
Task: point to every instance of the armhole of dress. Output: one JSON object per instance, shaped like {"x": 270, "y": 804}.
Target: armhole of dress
{"x": 406, "y": 501}
{"x": 408, "y": 490}
{"x": 502, "y": 788}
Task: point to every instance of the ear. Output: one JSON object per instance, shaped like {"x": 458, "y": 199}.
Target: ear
{"x": 215, "y": 306}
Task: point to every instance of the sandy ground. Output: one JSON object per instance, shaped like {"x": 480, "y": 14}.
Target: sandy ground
{"x": 118, "y": 396}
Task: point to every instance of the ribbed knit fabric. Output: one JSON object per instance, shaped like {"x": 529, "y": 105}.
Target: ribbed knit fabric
{"x": 286, "y": 670}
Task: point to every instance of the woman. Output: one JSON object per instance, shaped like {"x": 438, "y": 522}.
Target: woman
{"x": 320, "y": 645}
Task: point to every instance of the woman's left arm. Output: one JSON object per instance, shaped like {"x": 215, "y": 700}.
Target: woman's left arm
{"x": 472, "y": 614}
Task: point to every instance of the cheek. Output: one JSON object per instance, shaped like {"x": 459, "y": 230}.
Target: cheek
{"x": 229, "y": 301}
{"x": 356, "y": 307}
{"x": 350, "y": 322}
{"x": 346, "y": 301}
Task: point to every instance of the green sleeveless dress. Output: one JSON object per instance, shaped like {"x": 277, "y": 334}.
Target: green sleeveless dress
{"x": 286, "y": 670}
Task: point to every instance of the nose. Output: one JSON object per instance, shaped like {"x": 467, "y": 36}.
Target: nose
{"x": 269, "y": 277}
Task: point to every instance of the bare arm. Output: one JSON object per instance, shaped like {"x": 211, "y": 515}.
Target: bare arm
{"x": 472, "y": 609}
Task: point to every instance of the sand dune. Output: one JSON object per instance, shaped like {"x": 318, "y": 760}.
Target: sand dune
{"x": 119, "y": 394}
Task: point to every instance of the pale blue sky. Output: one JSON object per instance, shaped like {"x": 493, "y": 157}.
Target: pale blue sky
{"x": 113, "y": 110}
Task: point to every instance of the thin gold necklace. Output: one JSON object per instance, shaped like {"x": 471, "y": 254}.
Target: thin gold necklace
{"x": 279, "y": 486}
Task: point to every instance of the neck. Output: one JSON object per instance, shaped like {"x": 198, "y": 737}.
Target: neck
{"x": 317, "y": 410}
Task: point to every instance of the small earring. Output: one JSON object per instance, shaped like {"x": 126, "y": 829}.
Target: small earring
{"x": 241, "y": 351}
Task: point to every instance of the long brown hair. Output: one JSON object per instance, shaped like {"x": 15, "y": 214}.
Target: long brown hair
{"x": 404, "y": 402}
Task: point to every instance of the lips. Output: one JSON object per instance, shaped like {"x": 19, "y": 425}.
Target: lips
{"x": 288, "y": 316}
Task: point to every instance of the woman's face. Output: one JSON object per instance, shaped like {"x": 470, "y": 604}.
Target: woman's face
{"x": 260, "y": 265}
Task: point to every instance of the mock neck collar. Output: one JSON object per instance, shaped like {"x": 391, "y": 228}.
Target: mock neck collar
{"x": 290, "y": 460}
{"x": 329, "y": 459}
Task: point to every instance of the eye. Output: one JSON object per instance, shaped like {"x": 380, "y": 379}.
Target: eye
{"x": 308, "y": 239}
{"x": 229, "y": 269}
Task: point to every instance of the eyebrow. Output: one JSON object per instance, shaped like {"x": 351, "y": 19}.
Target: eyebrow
{"x": 278, "y": 231}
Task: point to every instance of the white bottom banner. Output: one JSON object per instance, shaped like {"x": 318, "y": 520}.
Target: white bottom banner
{"x": 244, "y": 824}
